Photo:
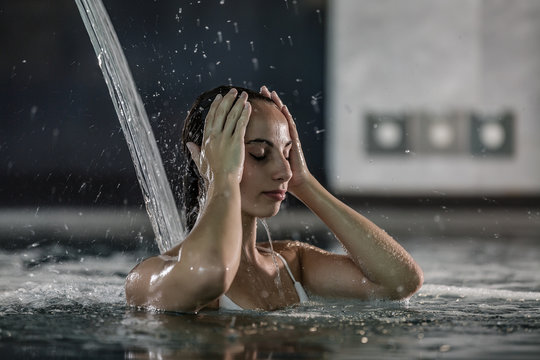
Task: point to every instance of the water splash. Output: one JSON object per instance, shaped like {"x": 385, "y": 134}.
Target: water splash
{"x": 158, "y": 198}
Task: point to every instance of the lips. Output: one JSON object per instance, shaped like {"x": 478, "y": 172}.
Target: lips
{"x": 277, "y": 195}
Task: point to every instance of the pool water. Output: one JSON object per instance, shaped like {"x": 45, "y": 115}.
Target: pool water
{"x": 480, "y": 300}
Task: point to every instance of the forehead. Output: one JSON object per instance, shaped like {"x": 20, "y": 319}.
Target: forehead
{"x": 267, "y": 122}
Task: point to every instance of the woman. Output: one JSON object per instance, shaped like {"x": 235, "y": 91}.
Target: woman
{"x": 245, "y": 155}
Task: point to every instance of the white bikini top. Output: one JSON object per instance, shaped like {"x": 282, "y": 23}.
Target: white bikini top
{"x": 227, "y": 304}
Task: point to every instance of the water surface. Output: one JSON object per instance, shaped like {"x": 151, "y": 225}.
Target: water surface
{"x": 480, "y": 300}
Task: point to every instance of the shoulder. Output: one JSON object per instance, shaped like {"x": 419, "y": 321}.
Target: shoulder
{"x": 292, "y": 248}
{"x": 283, "y": 247}
{"x": 294, "y": 252}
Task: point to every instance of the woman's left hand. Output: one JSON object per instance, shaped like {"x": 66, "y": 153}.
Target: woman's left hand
{"x": 299, "y": 168}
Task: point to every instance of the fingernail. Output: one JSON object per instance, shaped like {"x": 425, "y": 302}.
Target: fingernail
{"x": 243, "y": 94}
{"x": 218, "y": 97}
{"x": 233, "y": 90}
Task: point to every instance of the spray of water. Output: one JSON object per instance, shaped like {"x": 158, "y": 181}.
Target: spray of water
{"x": 158, "y": 198}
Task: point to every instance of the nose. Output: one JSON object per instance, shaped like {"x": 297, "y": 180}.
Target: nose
{"x": 282, "y": 169}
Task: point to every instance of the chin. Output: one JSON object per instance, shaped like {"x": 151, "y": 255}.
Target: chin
{"x": 261, "y": 212}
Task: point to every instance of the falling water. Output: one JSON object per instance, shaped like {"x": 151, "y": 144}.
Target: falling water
{"x": 157, "y": 193}
{"x": 278, "y": 277}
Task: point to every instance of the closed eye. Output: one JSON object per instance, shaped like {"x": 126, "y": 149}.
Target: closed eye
{"x": 258, "y": 158}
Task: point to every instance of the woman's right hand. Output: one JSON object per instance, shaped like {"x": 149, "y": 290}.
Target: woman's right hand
{"x": 221, "y": 154}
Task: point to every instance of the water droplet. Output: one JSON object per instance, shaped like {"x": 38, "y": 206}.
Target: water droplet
{"x": 319, "y": 16}
{"x": 444, "y": 348}
{"x": 315, "y": 105}
{"x": 290, "y": 40}
{"x": 255, "y": 63}
{"x": 220, "y": 37}
{"x": 100, "y": 59}
{"x": 252, "y": 46}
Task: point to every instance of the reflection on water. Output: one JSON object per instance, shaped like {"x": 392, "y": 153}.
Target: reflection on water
{"x": 480, "y": 300}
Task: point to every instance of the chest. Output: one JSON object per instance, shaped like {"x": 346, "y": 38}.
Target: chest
{"x": 266, "y": 290}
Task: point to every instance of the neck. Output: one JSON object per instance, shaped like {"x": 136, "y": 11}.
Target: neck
{"x": 249, "y": 238}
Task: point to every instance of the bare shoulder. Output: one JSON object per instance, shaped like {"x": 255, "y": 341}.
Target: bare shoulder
{"x": 294, "y": 253}
{"x": 283, "y": 247}
{"x": 293, "y": 248}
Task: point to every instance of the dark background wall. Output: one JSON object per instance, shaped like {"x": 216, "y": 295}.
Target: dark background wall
{"x": 60, "y": 140}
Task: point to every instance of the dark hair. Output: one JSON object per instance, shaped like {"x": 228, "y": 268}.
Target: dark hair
{"x": 193, "y": 187}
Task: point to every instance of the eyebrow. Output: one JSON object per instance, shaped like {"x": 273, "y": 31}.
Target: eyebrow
{"x": 264, "y": 141}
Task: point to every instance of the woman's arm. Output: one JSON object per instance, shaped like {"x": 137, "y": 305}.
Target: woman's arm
{"x": 376, "y": 267}
{"x": 193, "y": 274}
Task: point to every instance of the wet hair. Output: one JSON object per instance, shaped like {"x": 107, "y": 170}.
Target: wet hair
{"x": 193, "y": 190}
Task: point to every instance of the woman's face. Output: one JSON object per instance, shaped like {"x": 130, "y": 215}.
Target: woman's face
{"x": 266, "y": 167}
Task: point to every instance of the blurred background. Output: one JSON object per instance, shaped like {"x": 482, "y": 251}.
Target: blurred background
{"x": 422, "y": 114}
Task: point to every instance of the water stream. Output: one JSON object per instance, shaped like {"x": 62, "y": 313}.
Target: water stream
{"x": 167, "y": 225}
{"x": 277, "y": 280}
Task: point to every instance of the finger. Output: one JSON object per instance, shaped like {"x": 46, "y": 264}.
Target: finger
{"x": 274, "y": 96}
{"x": 223, "y": 110}
{"x": 209, "y": 120}
{"x": 265, "y": 92}
{"x": 241, "y": 124}
{"x": 292, "y": 125}
{"x": 234, "y": 114}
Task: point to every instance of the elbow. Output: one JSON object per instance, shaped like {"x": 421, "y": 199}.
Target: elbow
{"x": 186, "y": 288}
{"x": 214, "y": 282}
{"x": 409, "y": 285}
{"x": 416, "y": 282}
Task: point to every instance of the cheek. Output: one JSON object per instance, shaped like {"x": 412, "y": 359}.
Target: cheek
{"x": 247, "y": 174}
